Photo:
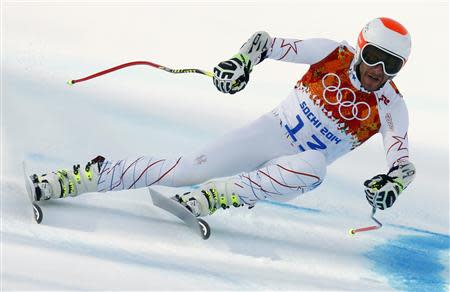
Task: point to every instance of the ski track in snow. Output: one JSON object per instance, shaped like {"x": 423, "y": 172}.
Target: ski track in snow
{"x": 119, "y": 241}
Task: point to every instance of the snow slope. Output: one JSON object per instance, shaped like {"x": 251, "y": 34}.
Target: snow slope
{"x": 119, "y": 241}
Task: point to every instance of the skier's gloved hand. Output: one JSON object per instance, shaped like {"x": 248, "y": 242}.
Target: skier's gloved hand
{"x": 382, "y": 190}
{"x": 232, "y": 75}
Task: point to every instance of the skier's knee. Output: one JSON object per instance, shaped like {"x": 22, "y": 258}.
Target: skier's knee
{"x": 312, "y": 166}
{"x": 317, "y": 163}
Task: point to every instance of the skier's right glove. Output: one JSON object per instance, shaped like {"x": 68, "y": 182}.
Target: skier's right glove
{"x": 232, "y": 75}
{"x": 382, "y": 190}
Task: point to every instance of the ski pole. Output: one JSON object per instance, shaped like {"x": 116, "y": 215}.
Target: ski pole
{"x": 378, "y": 225}
{"x": 135, "y": 63}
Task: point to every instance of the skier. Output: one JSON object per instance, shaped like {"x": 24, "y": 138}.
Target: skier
{"x": 345, "y": 97}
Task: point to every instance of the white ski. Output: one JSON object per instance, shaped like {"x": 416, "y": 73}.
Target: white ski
{"x": 197, "y": 225}
{"x": 37, "y": 212}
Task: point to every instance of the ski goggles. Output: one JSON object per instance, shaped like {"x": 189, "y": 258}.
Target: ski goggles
{"x": 373, "y": 55}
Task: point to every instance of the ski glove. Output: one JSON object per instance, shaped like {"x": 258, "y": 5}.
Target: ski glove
{"x": 232, "y": 75}
{"x": 382, "y": 190}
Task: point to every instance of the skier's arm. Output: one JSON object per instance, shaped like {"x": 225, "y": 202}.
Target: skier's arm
{"x": 394, "y": 129}
{"x": 383, "y": 189}
{"x": 308, "y": 51}
{"x": 233, "y": 75}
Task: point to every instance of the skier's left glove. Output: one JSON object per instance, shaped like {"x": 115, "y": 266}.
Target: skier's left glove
{"x": 382, "y": 190}
{"x": 232, "y": 75}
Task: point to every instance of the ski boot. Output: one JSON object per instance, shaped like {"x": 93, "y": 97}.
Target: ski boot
{"x": 209, "y": 197}
{"x": 63, "y": 183}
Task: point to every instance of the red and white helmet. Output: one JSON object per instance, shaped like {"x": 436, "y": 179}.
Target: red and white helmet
{"x": 387, "y": 34}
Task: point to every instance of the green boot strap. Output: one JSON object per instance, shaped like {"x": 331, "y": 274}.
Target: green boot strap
{"x": 88, "y": 171}
{"x": 76, "y": 174}
{"x": 213, "y": 199}
{"x": 63, "y": 178}
{"x": 223, "y": 202}
{"x": 235, "y": 201}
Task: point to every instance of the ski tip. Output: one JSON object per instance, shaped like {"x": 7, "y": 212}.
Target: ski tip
{"x": 204, "y": 228}
{"x": 154, "y": 194}
{"x": 38, "y": 216}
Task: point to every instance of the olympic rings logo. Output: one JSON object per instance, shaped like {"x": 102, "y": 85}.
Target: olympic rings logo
{"x": 344, "y": 104}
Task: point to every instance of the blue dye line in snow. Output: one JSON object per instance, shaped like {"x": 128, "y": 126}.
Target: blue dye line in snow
{"x": 416, "y": 230}
{"x": 289, "y": 206}
{"x": 414, "y": 262}
{"x": 411, "y": 262}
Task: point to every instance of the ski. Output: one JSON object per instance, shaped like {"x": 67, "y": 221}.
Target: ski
{"x": 37, "y": 211}
{"x": 199, "y": 226}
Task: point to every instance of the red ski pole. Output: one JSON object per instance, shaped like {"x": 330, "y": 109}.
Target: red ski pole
{"x": 136, "y": 63}
{"x": 378, "y": 225}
